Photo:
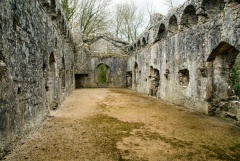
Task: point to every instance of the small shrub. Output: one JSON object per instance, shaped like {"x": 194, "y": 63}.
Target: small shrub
{"x": 235, "y": 77}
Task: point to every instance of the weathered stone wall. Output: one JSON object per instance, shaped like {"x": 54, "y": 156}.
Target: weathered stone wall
{"x": 186, "y": 57}
{"x": 100, "y": 51}
{"x": 36, "y": 65}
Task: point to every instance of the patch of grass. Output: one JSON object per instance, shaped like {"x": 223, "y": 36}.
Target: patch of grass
{"x": 172, "y": 141}
{"x": 113, "y": 126}
{"x": 107, "y": 131}
{"x": 223, "y": 154}
{"x": 236, "y": 151}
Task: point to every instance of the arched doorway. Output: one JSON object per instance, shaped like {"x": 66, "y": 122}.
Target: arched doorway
{"x": 103, "y": 74}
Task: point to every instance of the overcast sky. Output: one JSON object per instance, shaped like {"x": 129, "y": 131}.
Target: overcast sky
{"x": 158, "y": 5}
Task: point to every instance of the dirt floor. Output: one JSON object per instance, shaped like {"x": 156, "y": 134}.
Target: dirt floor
{"x": 120, "y": 124}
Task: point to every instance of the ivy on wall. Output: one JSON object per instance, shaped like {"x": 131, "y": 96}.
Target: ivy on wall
{"x": 102, "y": 74}
{"x": 235, "y": 76}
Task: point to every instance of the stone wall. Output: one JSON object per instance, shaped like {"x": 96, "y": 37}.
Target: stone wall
{"x": 36, "y": 65}
{"x": 97, "y": 53}
{"x": 186, "y": 57}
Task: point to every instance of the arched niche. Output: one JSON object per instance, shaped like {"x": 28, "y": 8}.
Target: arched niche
{"x": 63, "y": 73}
{"x": 223, "y": 58}
{"x": 189, "y": 17}
{"x": 135, "y": 46}
{"x": 212, "y": 8}
{"x": 162, "y": 33}
{"x": 131, "y": 48}
{"x": 173, "y": 25}
{"x": 136, "y": 74}
{"x": 52, "y": 80}
{"x": 144, "y": 42}
{"x": 139, "y": 44}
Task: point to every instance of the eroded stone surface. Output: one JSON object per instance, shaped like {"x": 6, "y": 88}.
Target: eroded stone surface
{"x": 36, "y": 65}
{"x": 194, "y": 48}
{"x": 184, "y": 58}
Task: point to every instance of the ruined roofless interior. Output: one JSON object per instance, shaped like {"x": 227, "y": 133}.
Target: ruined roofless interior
{"x": 184, "y": 58}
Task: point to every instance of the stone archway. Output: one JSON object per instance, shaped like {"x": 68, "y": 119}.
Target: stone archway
{"x": 103, "y": 75}
{"x": 162, "y": 33}
{"x": 223, "y": 96}
{"x": 213, "y": 8}
{"x": 222, "y": 58}
{"x": 189, "y": 18}
{"x": 173, "y": 25}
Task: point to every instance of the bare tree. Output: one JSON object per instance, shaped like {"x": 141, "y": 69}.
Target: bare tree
{"x": 70, "y": 9}
{"x": 93, "y": 16}
{"x": 171, "y": 3}
{"x": 150, "y": 9}
{"x": 128, "y": 20}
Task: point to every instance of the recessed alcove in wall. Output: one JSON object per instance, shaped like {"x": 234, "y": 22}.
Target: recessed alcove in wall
{"x": 154, "y": 79}
{"x": 129, "y": 79}
{"x": 80, "y": 80}
{"x": 19, "y": 91}
{"x": 131, "y": 48}
{"x": 213, "y": 8}
{"x": 136, "y": 74}
{"x": 51, "y": 80}
{"x": 44, "y": 70}
{"x": 166, "y": 74}
{"x": 139, "y": 45}
{"x": 162, "y": 33}
{"x": 144, "y": 42}
{"x": 173, "y": 25}
{"x": 3, "y": 68}
{"x": 183, "y": 77}
{"x": 63, "y": 73}
{"x": 223, "y": 59}
{"x": 189, "y": 17}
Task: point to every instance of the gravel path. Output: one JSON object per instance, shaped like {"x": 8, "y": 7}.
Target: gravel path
{"x": 120, "y": 124}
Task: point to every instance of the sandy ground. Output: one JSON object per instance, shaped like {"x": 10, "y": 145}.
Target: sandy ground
{"x": 120, "y": 124}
